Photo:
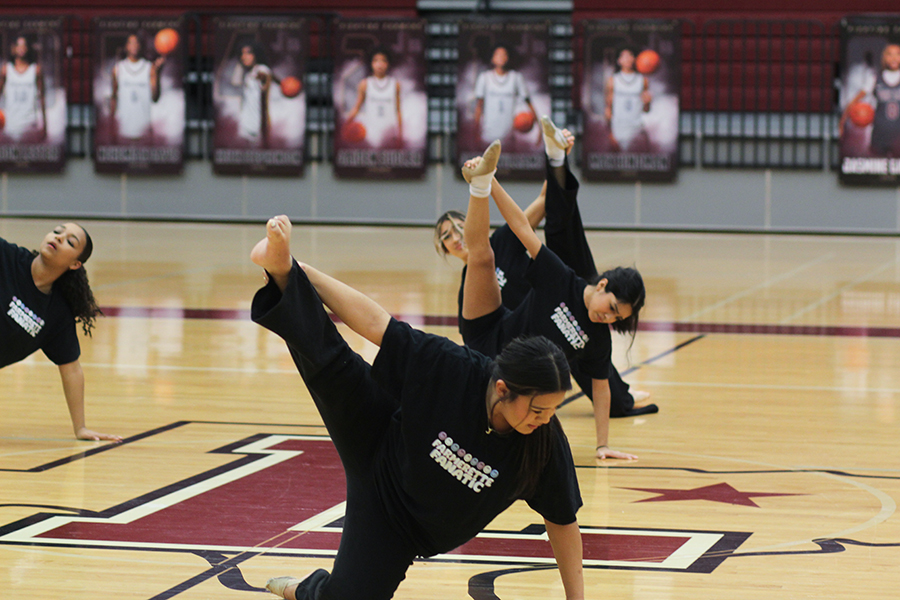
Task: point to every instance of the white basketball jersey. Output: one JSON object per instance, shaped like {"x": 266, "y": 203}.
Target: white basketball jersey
{"x": 627, "y": 107}
{"x": 380, "y": 109}
{"x": 20, "y": 100}
{"x": 133, "y": 97}
{"x": 250, "y": 118}
{"x": 500, "y": 94}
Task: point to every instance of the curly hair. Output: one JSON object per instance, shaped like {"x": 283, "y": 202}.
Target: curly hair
{"x": 75, "y": 289}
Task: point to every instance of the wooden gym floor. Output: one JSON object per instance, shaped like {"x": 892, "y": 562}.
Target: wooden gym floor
{"x": 771, "y": 471}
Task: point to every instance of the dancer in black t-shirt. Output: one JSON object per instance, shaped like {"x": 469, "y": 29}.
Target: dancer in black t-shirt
{"x": 43, "y": 294}
{"x": 435, "y": 439}
{"x": 561, "y": 306}
{"x": 510, "y": 256}
{"x": 564, "y": 232}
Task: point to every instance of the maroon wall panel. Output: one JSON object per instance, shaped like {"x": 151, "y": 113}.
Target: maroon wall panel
{"x": 828, "y": 12}
{"x": 91, "y": 8}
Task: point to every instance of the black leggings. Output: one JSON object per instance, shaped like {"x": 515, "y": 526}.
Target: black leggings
{"x": 564, "y": 233}
{"x": 372, "y": 558}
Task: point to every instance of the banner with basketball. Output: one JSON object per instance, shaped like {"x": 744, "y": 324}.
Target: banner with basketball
{"x": 630, "y": 99}
{"x": 32, "y": 95}
{"x": 869, "y": 103}
{"x": 138, "y": 66}
{"x": 380, "y": 106}
{"x": 502, "y": 91}
{"x": 258, "y": 94}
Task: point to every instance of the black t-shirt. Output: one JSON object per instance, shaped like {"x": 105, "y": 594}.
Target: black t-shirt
{"x": 32, "y": 320}
{"x": 440, "y": 466}
{"x": 554, "y": 309}
{"x": 511, "y": 260}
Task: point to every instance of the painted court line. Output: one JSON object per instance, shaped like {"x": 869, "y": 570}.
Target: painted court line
{"x": 760, "y": 286}
{"x": 762, "y": 386}
{"x": 839, "y": 291}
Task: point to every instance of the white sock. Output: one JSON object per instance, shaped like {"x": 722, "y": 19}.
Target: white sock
{"x": 556, "y": 154}
{"x": 480, "y": 187}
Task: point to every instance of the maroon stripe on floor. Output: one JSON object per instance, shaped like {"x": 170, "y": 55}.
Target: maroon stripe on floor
{"x": 451, "y": 321}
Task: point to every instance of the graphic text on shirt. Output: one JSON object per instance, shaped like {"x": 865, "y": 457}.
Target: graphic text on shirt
{"x": 501, "y": 277}
{"x": 25, "y": 317}
{"x": 468, "y": 470}
{"x": 568, "y": 325}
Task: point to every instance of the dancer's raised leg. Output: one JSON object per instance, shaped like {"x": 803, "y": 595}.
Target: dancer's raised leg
{"x": 273, "y": 253}
{"x": 563, "y": 229}
{"x": 481, "y": 292}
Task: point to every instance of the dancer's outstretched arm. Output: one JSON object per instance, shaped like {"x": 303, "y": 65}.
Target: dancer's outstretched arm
{"x": 602, "y": 401}
{"x": 516, "y": 219}
{"x": 362, "y": 314}
{"x": 565, "y": 540}
{"x": 537, "y": 210}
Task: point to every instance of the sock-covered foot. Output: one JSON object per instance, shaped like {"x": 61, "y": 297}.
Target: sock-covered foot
{"x": 273, "y": 253}
{"x": 555, "y": 142}
{"x": 283, "y": 586}
{"x": 480, "y": 176}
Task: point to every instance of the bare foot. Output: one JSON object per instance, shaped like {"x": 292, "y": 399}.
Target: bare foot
{"x": 273, "y": 253}
{"x": 640, "y": 397}
{"x": 286, "y": 587}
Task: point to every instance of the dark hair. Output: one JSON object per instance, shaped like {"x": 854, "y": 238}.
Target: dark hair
{"x": 510, "y": 55}
{"x": 447, "y": 216}
{"x": 31, "y": 53}
{"x": 530, "y": 366}
{"x": 256, "y": 49}
{"x": 625, "y": 47}
{"x": 627, "y": 285}
{"x": 384, "y": 52}
{"x": 619, "y": 52}
{"x": 122, "y": 52}
{"x": 883, "y": 50}
{"x": 75, "y": 289}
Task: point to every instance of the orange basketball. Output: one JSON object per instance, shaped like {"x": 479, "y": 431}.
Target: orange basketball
{"x": 861, "y": 114}
{"x": 353, "y": 132}
{"x": 166, "y": 40}
{"x": 2, "y": 119}
{"x": 523, "y": 122}
{"x": 647, "y": 62}
{"x": 290, "y": 87}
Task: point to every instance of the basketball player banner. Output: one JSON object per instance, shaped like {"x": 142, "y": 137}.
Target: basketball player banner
{"x": 630, "y": 99}
{"x": 502, "y": 90}
{"x": 380, "y": 106}
{"x": 32, "y": 95}
{"x": 258, "y": 93}
{"x": 869, "y": 107}
{"x": 138, "y": 66}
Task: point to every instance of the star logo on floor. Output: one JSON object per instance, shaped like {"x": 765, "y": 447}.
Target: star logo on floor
{"x": 719, "y": 492}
